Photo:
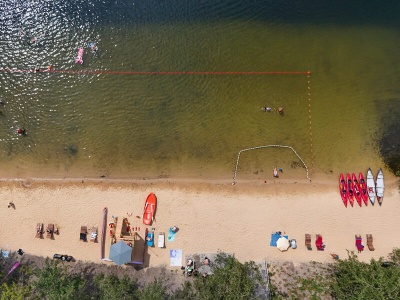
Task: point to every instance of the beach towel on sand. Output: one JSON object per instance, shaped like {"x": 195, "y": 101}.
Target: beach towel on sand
{"x": 175, "y": 257}
{"x": 274, "y": 238}
{"x": 359, "y": 245}
{"x": 171, "y": 235}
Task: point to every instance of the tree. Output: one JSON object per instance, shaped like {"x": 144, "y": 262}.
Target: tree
{"x": 57, "y": 282}
{"x": 230, "y": 280}
{"x": 353, "y": 279}
{"x": 153, "y": 291}
{"x": 17, "y": 284}
{"x": 14, "y": 291}
{"x": 111, "y": 287}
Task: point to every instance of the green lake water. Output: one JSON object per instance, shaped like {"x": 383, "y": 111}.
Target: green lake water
{"x": 192, "y": 126}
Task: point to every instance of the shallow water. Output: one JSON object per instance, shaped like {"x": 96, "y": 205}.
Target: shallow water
{"x": 135, "y": 126}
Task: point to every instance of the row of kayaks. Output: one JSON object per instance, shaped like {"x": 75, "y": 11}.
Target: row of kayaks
{"x": 352, "y": 188}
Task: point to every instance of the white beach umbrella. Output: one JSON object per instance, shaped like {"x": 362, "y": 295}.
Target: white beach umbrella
{"x": 282, "y": 243}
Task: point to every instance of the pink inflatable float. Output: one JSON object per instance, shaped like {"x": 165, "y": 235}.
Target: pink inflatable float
{"x": 79, "y": 58}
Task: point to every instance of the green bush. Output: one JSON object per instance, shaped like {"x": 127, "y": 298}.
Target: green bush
{"x": 57, "y": 282}
{"x": 111, "y": 287}
{"x": 353, "y": 279}
{"x": 230, "y": 280}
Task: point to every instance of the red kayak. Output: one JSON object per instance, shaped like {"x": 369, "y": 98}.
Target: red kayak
{"x": 342, "y": 189}
{"x": 350, "y": 189}
{"x": 357, "y": 193}
{"x": 363, "y": 188}
{"x": 149, "y": 209}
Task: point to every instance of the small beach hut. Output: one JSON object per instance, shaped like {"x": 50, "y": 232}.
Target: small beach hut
{"x": 120, "y": 253}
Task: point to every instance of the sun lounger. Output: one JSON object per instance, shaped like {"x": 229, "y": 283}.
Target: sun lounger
{"x": 50, "y": 231}
{"x": 359, "y": 245}
{"x": 318, "y": 243}
{"x": 161, "y": 240}
{"x": 39, "y": 230}
{"x": 370, "y": 242}
{"x": 83, "y": 234}
{"x": 308, "y": 241}
{"x": 93, "y": 235}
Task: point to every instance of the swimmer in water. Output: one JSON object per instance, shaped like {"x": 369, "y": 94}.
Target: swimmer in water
{"x": 93, "y": 47}
{"x": 21, "y": 131}
{"x": 268, "y": 109}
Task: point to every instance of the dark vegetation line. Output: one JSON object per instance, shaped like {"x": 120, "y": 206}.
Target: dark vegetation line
{"x": 343, "y": 279}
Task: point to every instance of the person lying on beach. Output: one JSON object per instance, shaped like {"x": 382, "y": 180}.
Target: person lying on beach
{"x": 335, "y": 256}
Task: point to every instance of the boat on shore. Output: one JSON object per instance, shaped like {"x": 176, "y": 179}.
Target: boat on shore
{"x": 343, "y": 189}
{"x": 350, "y": 189}
{"x": 380, "y": 186}
{"x": 149, "y": 209}
{"x": 363, "y": 188}
{"x": 357, "y": 193}
{"x": 371, "y": 186}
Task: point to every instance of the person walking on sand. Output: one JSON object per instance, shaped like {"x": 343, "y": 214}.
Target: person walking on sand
{"x": 335, "y": 256}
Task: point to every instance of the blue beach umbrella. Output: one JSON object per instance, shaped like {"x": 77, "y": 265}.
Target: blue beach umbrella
{"x": 120, "y": 253}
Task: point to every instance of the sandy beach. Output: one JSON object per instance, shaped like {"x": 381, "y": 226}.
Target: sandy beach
{"x": 211, "y": 216}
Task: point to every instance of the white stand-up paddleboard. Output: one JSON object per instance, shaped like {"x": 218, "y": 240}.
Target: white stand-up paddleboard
{"x": 380, "y": 186}
{"x": 371, "y": 186}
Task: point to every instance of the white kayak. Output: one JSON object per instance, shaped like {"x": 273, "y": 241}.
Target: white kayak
{"x": 380, "y": 186}
{"x": 371, "y": 186}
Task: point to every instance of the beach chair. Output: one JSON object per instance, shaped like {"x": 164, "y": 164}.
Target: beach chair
{"x": 161, "y": 240}
{"x": 50, "y": 231}
{"x": 39, "y": 230}
{"x": 359, "y": 245}
{"x": 83, "y": 234}
{"x": 370, "y": 242}
{"x": 308, "y": 241}
{"x": 93, "y": 235}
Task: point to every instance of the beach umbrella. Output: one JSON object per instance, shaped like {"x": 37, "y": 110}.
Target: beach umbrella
{"x": 282, "y": 243}
{"x": 120, "y": 253}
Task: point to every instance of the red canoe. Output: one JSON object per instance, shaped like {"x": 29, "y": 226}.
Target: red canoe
{"x": 350, "y": 189}
{"x": 342, "y": 189}
{"x": 149, "y": 209}
{"x": 363, "y": 188}
{"x": 357, "y": 192}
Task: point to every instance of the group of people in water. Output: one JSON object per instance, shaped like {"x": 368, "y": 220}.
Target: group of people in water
{"x": 31, "y": 41}
{"x": 269, "y": 109}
